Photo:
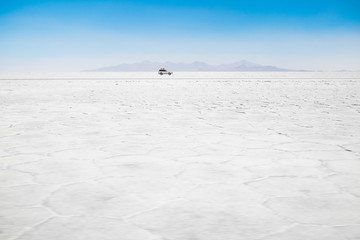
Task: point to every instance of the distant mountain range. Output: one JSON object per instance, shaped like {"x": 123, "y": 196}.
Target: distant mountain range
{"x": 148, "y": 66}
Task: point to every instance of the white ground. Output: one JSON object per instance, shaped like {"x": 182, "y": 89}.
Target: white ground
{"x": 194, "y": 156}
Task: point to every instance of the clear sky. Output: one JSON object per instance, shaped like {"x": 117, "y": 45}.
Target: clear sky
{"x": 73, "y": 35}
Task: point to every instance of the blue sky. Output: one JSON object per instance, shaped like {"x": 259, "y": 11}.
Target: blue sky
{"x": 64, "y": 35}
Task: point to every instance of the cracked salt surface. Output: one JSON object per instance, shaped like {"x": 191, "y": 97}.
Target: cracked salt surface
{"x": 202, "y": 156}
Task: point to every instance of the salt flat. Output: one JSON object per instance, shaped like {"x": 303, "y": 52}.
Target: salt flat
{"x": 194, "y": 156}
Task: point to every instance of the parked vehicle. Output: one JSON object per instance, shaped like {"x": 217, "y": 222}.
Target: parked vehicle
{"x": 163, "y": 71}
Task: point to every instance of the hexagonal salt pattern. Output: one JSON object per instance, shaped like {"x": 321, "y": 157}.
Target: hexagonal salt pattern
{"x": 92, "y": 228}
{"x": 226, "y": 156}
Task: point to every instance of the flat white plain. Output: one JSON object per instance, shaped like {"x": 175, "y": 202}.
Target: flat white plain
{"x": 200, "y": 156}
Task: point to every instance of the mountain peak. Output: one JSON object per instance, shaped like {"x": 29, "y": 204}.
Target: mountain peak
{"x": 196, "y": 66}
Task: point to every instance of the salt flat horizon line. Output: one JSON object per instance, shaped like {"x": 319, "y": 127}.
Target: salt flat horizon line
{"x": 194, "y": 66}
{"x": 201, "y": 66}
{"x": 155, "y": 72}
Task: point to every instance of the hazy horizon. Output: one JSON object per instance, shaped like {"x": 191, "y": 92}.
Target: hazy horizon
{"x": 194, "y": 66}
{"x": 46, "y": 35}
